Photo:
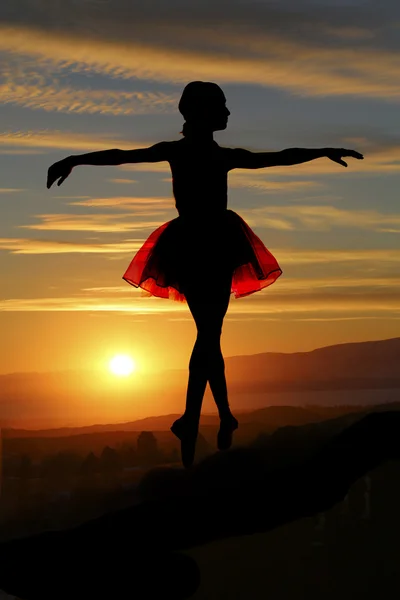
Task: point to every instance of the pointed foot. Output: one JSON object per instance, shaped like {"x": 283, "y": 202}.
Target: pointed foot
{"x": 186, "y": 431}
{"x": 226, "y": 429}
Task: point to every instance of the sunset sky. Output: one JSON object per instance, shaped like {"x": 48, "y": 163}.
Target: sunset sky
{"x": 85, "y": 75}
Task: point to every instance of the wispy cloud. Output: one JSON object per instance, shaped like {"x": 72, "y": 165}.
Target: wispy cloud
{"x": 326, "y": 318}
{"x": 246, "y": 180}
{"x": 63, "y": 140}
{"x": 298, "y": 256}
{"x": 77, "y": 304}
{"x": 315, "y": 50}
{"x": 292, "y": 217}
{"x": 314, "y": 303}
{"x": 128, "y": 201}
{"x": 392, "y": 317}
{"x": 20, "y": 151}
{"x": 127, "y": 181}
{"x": 111, "y": 289}
{"x": 259, "y": 304}
{"x": 296, "y": 284}
{"x": 319, "y": 218}
{"x": 25, "y": 85}
{"x": 97, "y": 222}
{"x": 160, "y": 167}
{"x": 35, "y": 246}
{"x": 350, "y": 33}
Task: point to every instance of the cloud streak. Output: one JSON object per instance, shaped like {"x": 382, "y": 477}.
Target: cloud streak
{"x": 22, "y": 83}
{"x": 35, "y": 246}
{"x": 80, "y": 305}
{"x": 98, "y": 222}
{"x": 312, "y": 50}
{"x": 245, "y": 180}
{"x": 258, "y": 305}
{"x": 128, "y": 201}
{"x": 320, "y": 218}
{"x": 64, "y": 140}
{"x": 123, "y": 181}
{"x": 69, "y": 100}
{"x": 284, "y": 218}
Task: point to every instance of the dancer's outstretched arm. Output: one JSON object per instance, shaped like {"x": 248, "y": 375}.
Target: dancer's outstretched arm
{"x": 239, "y": 158}
{"x": 61, "y": 169}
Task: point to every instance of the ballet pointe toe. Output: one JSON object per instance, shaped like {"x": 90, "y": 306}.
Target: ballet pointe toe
{"x": 178, "y": 428}
{"x": 186, "y": 431}
{"x": 226, "y": 429}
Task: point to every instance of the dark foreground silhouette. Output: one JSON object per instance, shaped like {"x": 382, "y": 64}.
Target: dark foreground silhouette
{"x": 135, "y": 551}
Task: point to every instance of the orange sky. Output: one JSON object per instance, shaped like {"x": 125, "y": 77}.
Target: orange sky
{"x": 89, "y": 77}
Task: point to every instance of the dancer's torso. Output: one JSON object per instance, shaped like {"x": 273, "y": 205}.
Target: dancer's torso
{"x": 199, "y": 178}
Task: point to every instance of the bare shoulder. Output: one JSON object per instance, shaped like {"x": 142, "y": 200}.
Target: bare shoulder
{"x": 163, "y": 150}
{"x": 233, "y": 156}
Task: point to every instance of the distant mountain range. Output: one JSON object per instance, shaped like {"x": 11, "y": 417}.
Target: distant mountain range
{"x": 358, "y": 365}
{"x": 48, "y": 400}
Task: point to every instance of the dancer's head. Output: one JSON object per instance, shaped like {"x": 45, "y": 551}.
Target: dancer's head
{"x": 203, "y": 105}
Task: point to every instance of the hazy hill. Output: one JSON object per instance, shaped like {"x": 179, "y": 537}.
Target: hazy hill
{"x": 273, "y": 416}
{"x": 44, "y": 400}
{"x": 375, "y": 362}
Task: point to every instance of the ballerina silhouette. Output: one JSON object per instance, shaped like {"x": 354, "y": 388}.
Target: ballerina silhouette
{"x": 208, "y": 251}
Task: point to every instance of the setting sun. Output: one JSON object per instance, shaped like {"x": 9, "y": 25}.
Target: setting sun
{"x": 122, "y": 365}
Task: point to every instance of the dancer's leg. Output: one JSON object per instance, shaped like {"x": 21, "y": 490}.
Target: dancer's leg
{"x": 207, "y": 362}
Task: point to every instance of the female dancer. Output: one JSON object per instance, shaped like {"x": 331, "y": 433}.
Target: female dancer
{"x": 208, "y": 251}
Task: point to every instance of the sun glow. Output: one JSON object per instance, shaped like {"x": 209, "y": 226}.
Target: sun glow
{"x": 122, "y": 365}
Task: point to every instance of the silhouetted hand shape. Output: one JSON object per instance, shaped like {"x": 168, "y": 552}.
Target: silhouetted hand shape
{"x": 336, "y": 154}
{"x": 59, "y": 170}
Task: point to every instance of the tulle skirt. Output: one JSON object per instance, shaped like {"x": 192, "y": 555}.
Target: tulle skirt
{"x": 203, "y": 248}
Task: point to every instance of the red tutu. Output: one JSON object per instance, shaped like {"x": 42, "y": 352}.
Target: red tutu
{"x": 202, "y": 247}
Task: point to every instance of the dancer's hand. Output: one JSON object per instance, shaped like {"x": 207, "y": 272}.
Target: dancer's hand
{"x": 336, "y": 154}
{"x": 59, "y": 170}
